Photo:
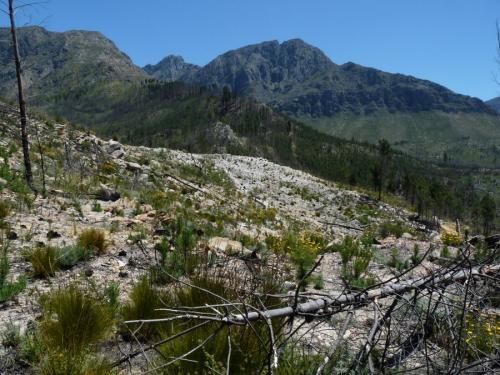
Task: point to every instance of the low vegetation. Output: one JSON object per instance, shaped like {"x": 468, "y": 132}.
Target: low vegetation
{"x": 74, "y": 320}
{"x": 93, "y": 240}
{"x": 8, "y": 288}
{"x": 44, "y": 261}
{"x": 356, "y": 256}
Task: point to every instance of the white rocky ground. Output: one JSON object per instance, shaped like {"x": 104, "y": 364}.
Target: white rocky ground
{"x": 296, "y": 197}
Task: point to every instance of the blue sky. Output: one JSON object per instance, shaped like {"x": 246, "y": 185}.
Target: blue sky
{"x": 451, "y": 42}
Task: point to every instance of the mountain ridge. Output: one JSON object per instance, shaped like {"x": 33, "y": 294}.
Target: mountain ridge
{"x": 293, "y": 77}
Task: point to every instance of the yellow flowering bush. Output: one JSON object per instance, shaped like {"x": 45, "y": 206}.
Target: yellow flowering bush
{"x": 302, "y": 248}
{"x": 451, "y": 239}
{"x": 482, "y": 333}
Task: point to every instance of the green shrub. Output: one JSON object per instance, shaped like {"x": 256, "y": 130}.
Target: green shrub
{"x": 388, "y": 228}
{"x": 44, "y": 261}
{"x": 395, "y": 261}
{"x": 416, "y": 257}
{"x": 445, "y": 252}
{"x": 247, "y": 354}
{"x": 74, "y": 318}
{"x": 484, "y": 253}
{"x": 107, "y": 168}
{"x": 186, "y": 237}
{"x": 158, "y": 199}
{"x": 144, "y": 299}
{"x": 90, "y": 364}
{"x": 356, "y": 256}
{"x": 69, "y": 256}
{"x": 4, "y": 265}
{"x": 182, "y": 259}
{"x": 93, "y": 240}
{"x": 318, "y": 282}
{"x": 4, "y": 209}
{"x": 137, "y": 237}
{"x": 30, "y": 347}
{"x": 10, "y": 337}
{"x": 4, "y": 212}
{"x": 96, "y": 207}
{"x": 347, "y": 249}
{"x": 112, "y": 293}
{"x": 302, "y": 249}
{"x": 8, "y": 288}
{"x": 481, "y": 334}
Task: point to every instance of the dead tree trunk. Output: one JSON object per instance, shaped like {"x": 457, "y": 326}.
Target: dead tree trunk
{"x": 337, "y": 300}
{"x": 22, "y": 104}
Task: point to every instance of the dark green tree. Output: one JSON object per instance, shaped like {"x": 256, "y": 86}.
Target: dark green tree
{"x": 487, "y": 212}
{"x": 384, "y": 151}
{"x": 226, "y": 95}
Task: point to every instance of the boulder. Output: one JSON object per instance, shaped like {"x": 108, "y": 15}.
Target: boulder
{"x": 117, "y": 154}
{"x": 228, "y": 247}
{"x": 134, "y": 167}
{"x": 113, "y": 146}
{"x": 406, "y": 236}
{"x": 106, "y": 194}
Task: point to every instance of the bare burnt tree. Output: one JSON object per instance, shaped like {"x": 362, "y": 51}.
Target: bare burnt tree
{"x": 22, "y": 103}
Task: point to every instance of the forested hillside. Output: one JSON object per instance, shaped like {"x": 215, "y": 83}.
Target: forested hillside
{"x": 177, "y": 115}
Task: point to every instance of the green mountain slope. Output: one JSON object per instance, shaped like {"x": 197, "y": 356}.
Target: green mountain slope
{"x": 350, "y": 100}
{"x": 177, "y": 115}
{"x": 56, "y": 63}
{"x": 458, "y": 138}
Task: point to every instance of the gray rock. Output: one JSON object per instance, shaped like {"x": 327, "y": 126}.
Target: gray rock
{"x": 117, "y": 154}
{"x": 106, "y": 194}
{"x": 113, "y": 146}
{"x": 143, "y": 177}
{"x": 406, "y": 236}
{"x": 134, "y": 167}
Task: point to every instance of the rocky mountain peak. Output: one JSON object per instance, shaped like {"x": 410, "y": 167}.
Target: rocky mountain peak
{"x": 171, "y": 68}
{"x": 264, "y": 66}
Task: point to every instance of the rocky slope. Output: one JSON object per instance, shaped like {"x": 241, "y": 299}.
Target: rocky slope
{"x": 236, "y": 202}
{"x": 300, "y": 79}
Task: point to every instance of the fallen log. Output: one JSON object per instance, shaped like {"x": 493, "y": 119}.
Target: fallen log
{"x": 340, "y": 300}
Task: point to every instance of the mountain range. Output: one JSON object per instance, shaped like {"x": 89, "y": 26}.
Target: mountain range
{"x": 82, "y": 75}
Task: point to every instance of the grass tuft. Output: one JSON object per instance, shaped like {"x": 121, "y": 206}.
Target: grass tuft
{"x": 44, "y": 261}
{"x": 93, "y": 240}
{"x": 74, "y": 318}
